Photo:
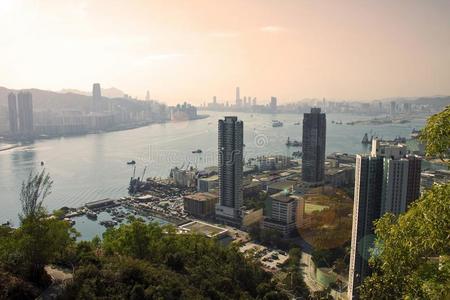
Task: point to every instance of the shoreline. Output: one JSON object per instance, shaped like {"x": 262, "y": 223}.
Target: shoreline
{"x": 9, "y": 147}
{"x": 114, "y": 129}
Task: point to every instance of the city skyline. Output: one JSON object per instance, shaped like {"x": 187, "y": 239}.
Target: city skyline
{"x": 370, "y": 50}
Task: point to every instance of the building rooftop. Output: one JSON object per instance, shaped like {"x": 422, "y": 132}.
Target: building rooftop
{"x": 334, "y": 171}
{"x": 201, "y": 196}
{"x": 210, "y": 178}
{"x": 204, "y": 228}
{"x": 282, "y": 185}
{"x": 99, "y": 202}
{"x": 284, "y": 197}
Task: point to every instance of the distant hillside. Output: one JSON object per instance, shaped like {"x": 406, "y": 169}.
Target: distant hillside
{"x": 43, "y": 100}
{"x": 109, "y": 92}
{"x": 438, "y": 101}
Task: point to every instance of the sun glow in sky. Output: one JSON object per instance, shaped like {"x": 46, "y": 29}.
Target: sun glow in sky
{"x": 193, "y": 50}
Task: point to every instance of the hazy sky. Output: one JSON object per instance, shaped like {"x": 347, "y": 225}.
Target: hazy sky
{"x": 192, "y": 50}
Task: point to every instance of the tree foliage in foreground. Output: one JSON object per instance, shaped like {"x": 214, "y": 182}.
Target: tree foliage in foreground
{"x": 411, "y": 259}
{"x": 436, "y": 135}
{"x": 39, "y": 240}
{"x": 146, "y": 261}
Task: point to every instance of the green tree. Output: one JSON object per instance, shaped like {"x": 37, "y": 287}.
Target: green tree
{"x": 436, "y": 135}
{"x": 411, "y": 258}
{"x": 40, "y": 239}
{"x": 33, "y": 193}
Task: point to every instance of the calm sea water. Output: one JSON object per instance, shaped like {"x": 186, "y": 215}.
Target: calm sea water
{"x": 93, "y": 167}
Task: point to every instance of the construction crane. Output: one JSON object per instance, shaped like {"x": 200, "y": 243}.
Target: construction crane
{"x": 143, "y": 173}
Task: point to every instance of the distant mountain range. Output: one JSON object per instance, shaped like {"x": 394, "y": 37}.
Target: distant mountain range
{"x": 109, "y": 92}
{"x": 43, "y": 100}
{"x": 68, "y": 99}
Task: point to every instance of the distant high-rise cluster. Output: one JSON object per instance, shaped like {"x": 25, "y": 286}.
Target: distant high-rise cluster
{"x": 314, "y": 141}
{"x": 230, "y": 148}
{"x": 387, "y": 180}
{"x": 21, "y": 113}
{"x": 96, "y": 97}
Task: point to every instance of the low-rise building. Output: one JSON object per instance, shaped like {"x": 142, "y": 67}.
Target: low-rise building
{"x": 200, "y": 205}
{"x": 285, "y": 186}
{"x": 203, "y": 228}
{"x": 251, "y": 189}
{"x": 184, "y": 177}
{"x": 274, "y": 162}
{"x": 430, "y": 177}
{"x": 280, "y": 213}
{"x": 207, "y": 184}
{"x": 251, "y": 217}
{"x": 341, "y": 176}
{"x": 342, "y": 158}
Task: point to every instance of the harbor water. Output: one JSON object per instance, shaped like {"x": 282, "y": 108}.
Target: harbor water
{"x": 92, "y": 167}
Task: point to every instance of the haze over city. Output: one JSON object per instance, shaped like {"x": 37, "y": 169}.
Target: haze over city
{"x": 252, "y": 149}
{"x": 348, "y": 50}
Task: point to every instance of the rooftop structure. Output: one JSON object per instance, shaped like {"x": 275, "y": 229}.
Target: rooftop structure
{"x": 203, "y": 228}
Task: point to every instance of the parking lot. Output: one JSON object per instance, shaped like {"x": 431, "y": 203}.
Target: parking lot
{"x": 271, "y": 259}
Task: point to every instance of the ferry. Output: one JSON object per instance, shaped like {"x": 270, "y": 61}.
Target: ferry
{"x": 297, "y": 123}
{"x": 131, "y": 162}
{"x": 294, "y": 143}
{"x": 276, "y": 123}
{"x": 197, "y": 151}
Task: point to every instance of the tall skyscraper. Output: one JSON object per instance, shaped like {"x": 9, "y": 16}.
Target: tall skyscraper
{"x": 12, "y": 108}
{"x": 366, "y": 209}
{"x": 386, "y": 181}
{"x": 401, "y": 176}
{"x": 273, "y": 105}
{"x": 238, "y": 97}
{"x": 230, "y": 148}
{"x": 147, "y": 96}
{"x": 393, "y": 107}
{"x": 314, "y": 140}
{"x": 414, "y": 172}
{"x": 96, "y": 97}
{"x": 25, "y": 112}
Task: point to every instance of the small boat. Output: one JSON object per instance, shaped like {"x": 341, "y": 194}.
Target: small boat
{"x": 91, "y": 215}
{"x": 197, "y": 151}
{"x": 276, "y": 123}
{"x": 131, "y": 162}
{"x": 297, "y": 154}
{"x": 399, "y": 139}
{"x": 108, "y": 224}
{"x": 294, "y": 143}
{"x": 297, "y": 123}
{"x": 365, "y": 139}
